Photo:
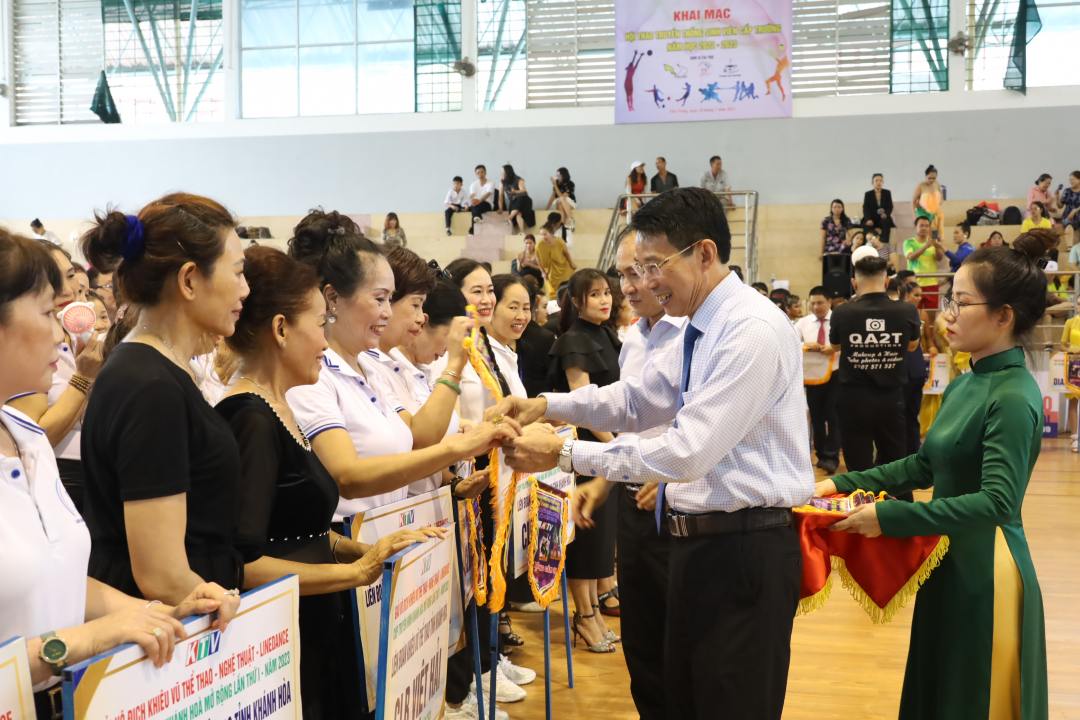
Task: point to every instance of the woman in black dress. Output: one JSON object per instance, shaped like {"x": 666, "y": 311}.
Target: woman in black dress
{"x": 515, "y": 198}
{"x": 161, "y": 466}
{"x": 587, "y": 353}
{"x": 287, "y": 497}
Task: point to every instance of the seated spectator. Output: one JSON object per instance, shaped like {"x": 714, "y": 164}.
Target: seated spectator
{"x": 886, "y": 250}
{"x": 858, "y": 239}
{"x": 663, "y": 180}
{"x": 457, "y": 200}
{"x": 514, "y": 198}
{"x": 1041, "y": 194}
{"x": 560, "y": 230}
{"x": 1070, "y": 343}
{"x": 996, "y": 239}
{"x": 1036, "y": 217}
{"x": 1057, "y": 284}
{"x": 834, "y": 229}
{"x": 481, "y": 196}
{"x": 878, "y": 208}
{"x": 1074, "y": 257}
{"x": 562, "y": 196}
{"x": 1070, "y": 205}
{"x": 635, "y": 182}
{"x": 761, "y": 288}
{"x": 715, "y": 179}
{"x": 963, "y": 248}
{"x": 393, "y": 233}
{"x": 779, "y": 298}
{"x": 527, "y": 262}
{"x": 793, "y": 307}
{"x": 40, "y": 233}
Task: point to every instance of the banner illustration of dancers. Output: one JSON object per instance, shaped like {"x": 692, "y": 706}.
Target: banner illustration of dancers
{"x": 703, "y": 61}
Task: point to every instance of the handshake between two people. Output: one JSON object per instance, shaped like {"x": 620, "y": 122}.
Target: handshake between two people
{"x": 536, "y": 446}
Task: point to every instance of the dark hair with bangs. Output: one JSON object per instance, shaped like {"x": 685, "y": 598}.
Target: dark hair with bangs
{"x": 685, "y": 216}
{"x": 581, "y": 283}
{"x": 26, "y": 267}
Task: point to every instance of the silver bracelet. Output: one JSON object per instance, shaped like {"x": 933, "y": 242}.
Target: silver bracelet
{"x": 333, "y": 550}
{"x": 153, "y": 602}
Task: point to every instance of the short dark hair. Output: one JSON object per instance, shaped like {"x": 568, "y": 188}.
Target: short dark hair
{"x": 661, "y": 157}
{"x": 554, "y": 218}
{"x": 893, "y": 286}
{"x": 1011, "y": 276}
{"x": 478, "y": 167}
{"x": 761, "y": 286}
{"x": 818, "y": 290}
{"x": 504, "y": 280}
{"x": 444, "y": 303}
{"x": 904, "y": 275}
{"x": 26, "y": 266}
{"x": 685, "y": 216}
{"x": 876, "y": 175}
{"x": 457, "y": 178}
{"x": 412, "y": 276}
{"x": 333, "y": 244}
{"x": 278, "y": 285}
{"x": 738, "y": 272}
{"x": 92, "y": 274}
{"x": 714, "y": 158}
{"x": 964, "y": 228}
{"x": 871, "y": 267}
{"x": 35, "y": 223}
{"x": 922, "y": 217}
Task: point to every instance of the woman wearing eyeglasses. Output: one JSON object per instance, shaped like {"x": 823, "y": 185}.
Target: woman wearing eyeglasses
{"x": 978, "y": 647}
{"x": 587, "y": 353}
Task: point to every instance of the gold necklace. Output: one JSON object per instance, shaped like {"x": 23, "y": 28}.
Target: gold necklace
{"x": 165, "y": 342}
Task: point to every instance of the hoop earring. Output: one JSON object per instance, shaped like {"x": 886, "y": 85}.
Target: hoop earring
{"x": 332, "y": 317}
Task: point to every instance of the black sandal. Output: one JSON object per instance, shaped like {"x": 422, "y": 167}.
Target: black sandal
{"x": 510, "y": 637}
{"x": 606, "y": 610}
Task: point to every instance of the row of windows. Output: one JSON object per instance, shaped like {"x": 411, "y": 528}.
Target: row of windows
{"x": 346, "y": 57}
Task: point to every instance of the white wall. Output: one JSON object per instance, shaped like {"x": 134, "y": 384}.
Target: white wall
{"x": 404, "y": 163}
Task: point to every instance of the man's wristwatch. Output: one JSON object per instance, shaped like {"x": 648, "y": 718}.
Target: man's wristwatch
{"x": 566, "y": 463}
{"x": 54, "y": 652}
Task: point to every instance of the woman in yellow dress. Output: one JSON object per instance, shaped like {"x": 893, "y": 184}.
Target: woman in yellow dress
{"x": 1070, "y": 343}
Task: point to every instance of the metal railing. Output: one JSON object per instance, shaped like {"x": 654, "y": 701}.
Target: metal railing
{"x": 1055, "y": 311}
{"x": 743, "y": 230}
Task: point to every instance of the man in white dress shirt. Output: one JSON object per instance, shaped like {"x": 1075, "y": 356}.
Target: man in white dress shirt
{"x": 643, "y": 553}
{"x": 730, "y": 469}
{"x": 819, "y": 376}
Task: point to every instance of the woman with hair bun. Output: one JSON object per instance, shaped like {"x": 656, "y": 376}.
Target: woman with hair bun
{"x": 46, "y": 595}
{"x": 978, "y": 645}
{"x": 161, "y": 466}
{"x": 287, "y": 497}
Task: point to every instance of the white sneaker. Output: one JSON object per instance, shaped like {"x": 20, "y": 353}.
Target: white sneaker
{"x": 505, "y": 689}
{"x": 515, "y": 674}
{"x": 470, "y": 710}
{"x": 478, "y": 220}
{"x": 530, "y": 607}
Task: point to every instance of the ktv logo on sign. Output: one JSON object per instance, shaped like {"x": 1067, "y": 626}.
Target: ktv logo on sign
{"x": 407, "y": 518}
{"x": 204, "y": 648}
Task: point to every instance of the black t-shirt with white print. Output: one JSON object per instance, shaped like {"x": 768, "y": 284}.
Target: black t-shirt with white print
{"x": 873, "y": 333}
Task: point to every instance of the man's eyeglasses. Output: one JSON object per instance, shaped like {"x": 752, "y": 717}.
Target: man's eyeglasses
{"x": 651, "y": 271}
{"x": 100, "y": 287}
{"x": 434, "y": 265}
{"x": 953, "y": 307}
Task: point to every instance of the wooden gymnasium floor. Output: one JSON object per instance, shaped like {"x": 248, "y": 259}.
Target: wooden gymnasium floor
{"x": 857, "y": 671}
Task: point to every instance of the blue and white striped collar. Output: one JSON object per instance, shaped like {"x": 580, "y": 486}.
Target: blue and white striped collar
{"x": 22, "y": 428}
{"x": 333, "y": 361}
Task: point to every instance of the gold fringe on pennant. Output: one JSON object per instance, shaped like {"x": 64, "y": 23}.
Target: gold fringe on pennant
{"x": 476, "y": 549}
{"x": 883, "y": 615}
{"x": 817, "y": 600}
{"x": 502, "y": 523}
{"x": 545, "y": 598}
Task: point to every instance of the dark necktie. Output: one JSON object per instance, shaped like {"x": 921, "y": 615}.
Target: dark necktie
{"x": 690, "y": 339}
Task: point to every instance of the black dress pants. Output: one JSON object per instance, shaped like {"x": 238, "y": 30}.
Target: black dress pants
{"x": 449, "y": 213}
{"x": 825, "y": 420}
{"x": 731, "y": 603}
{"x": 871, "y": 416}
{"x": 643, "y": 581}
{"x": 912, "y": 405}
{"x": 478, "y": 211}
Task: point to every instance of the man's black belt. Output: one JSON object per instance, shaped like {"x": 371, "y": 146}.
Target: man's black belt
{"x": 49, "y": 703}
{"x": 720, "y": 523}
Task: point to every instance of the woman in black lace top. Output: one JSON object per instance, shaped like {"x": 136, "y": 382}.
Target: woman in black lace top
{"x": 287, "y": 497}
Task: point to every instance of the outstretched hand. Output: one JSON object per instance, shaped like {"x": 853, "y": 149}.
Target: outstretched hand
{"x": 862, "y": 520}
{"x": 524, "y": 410}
